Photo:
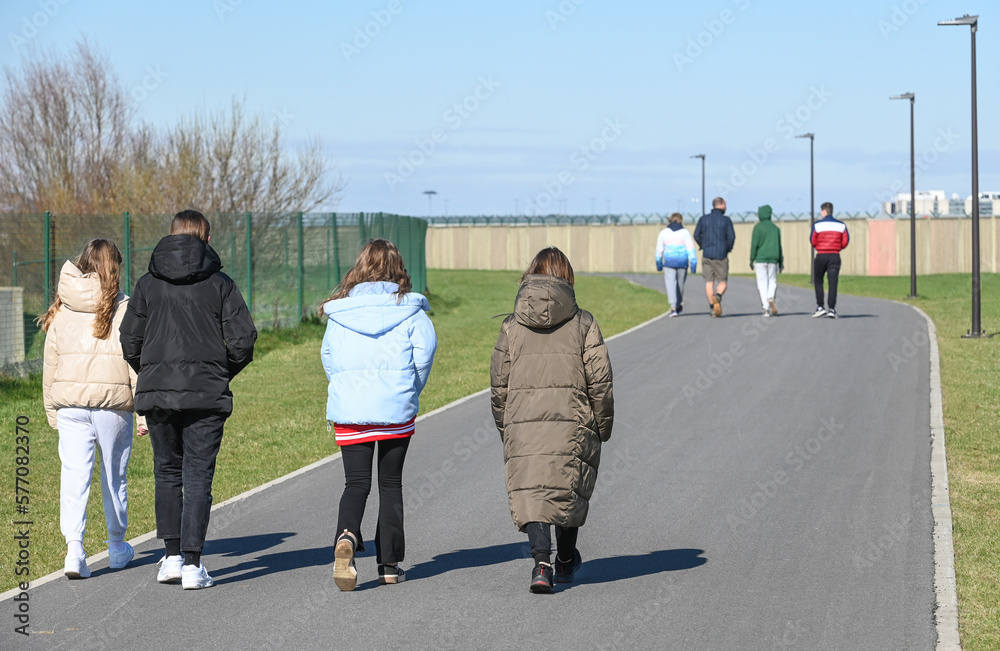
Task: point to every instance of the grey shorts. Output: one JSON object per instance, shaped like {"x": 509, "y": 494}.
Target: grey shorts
{"x": 715, "y": 270}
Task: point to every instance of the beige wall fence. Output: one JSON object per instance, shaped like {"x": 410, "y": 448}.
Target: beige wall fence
{"x": 879, "y": 247}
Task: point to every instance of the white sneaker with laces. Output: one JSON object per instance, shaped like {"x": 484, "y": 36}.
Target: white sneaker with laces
{"x": 820, "y": 311}
{"x": 195, "y": 578}
{"x": 122, "y": 558}
{"x": 75, "y": 567}
{"x": 170, "y": 569}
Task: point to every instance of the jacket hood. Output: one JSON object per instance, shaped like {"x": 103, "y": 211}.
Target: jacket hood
{"x": 674, "y": 226}
{"x": 78, "y": 291}
{"x": 764, "y": 213}
{"x": 371, "y": 308}
{"x": 183, "y": 260}
{"x": 544, "y": 301}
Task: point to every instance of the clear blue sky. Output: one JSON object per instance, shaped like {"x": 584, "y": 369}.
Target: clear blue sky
{"x": 580, "y": 102}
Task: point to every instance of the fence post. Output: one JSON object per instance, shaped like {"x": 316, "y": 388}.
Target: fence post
{"x": 48, "y": 258}
{"x": 302, "y": 272}
{"x": 249, "y": 220}
{"x": 336, "y": 246}
{"x": 361, "y": 228}
{"x": 128, "y": 252}
{"x": 15, "y": 267}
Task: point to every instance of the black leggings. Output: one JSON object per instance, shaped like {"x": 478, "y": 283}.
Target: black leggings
{"x": 829, "y": 264}
{"x": 540, "y": 541}
{"x": 390, "y": 543}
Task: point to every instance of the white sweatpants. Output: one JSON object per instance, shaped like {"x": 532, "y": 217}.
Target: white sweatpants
{"x": 81, "y": 431}
{"x": 767, "y": 281}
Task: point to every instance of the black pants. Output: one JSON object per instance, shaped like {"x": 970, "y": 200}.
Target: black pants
{"x": 390, "y": 543}
{"x": 540, "y": 541}
{"x": 829, "y": 264}
{"x": 185, "y": 446}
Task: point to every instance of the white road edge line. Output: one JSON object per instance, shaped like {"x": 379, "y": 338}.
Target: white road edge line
{"x": 946, "y": 608}
{"x": 135, "y": 542}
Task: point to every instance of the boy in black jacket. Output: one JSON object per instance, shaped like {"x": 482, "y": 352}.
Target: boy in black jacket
{"x": 187, "y": 332}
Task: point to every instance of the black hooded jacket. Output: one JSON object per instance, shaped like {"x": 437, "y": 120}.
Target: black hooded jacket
{"x": 187, "y": 331}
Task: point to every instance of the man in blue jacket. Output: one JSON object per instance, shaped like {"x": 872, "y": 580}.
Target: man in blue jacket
{"x": 716, "y": 236}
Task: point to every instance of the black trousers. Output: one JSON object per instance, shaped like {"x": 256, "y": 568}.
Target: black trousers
{"x": 829, "y": 264}
{"x": 390, "y": 542}
{"x": 185, "y": 447}
{"x": 540, "y": 541}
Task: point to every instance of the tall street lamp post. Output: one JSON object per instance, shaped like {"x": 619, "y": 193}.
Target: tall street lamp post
{"x": 972, "y": 22}
{"x": 812, "y": 205}
{"x": 913, "y": 202}
{"x": 702, "y": 157}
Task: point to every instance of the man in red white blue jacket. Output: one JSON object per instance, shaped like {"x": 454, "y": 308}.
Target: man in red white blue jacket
{"x": 829, "y": 236}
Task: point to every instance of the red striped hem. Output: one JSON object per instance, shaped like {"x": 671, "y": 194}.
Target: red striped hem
{"x": 348, "y": 434}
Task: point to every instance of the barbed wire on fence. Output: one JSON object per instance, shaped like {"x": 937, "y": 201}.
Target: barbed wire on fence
{"x": 626, "y": 219}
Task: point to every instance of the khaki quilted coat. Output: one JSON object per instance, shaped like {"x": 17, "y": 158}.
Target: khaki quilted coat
{"x": 552, "y": 400}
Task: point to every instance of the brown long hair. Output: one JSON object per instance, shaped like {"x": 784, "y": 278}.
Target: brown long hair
{"x": 378, "y": 260}
{"x": 551, "y": 262}
{"x": 102, "y": 257}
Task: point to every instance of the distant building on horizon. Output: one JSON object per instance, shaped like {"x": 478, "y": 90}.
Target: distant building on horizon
{"x": 935, "y": 203}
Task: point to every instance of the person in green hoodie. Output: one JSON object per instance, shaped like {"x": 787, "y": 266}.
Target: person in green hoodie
{"x": 767, "y": 257}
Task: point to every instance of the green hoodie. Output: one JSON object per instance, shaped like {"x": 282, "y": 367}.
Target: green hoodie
{"x": 765, "y": 245}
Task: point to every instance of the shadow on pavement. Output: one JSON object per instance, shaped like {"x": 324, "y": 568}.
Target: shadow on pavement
{"x": 618, "y": 568}
{"x": 464, "y": 558}
{"x": 600, "y": 570}
{"x": 245, "y": 544}
{"x": 275, "y": 563}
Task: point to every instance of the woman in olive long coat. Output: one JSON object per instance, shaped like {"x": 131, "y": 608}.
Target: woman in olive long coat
{"x": 552, "y": 402}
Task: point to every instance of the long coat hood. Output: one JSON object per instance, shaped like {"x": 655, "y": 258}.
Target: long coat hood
{"x": 544, "y": 302}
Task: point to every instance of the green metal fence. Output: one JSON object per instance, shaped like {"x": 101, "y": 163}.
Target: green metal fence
{"x": 284, "y": 264}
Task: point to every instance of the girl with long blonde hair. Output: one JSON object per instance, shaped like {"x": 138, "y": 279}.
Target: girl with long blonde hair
{"x": 88, "y": 391}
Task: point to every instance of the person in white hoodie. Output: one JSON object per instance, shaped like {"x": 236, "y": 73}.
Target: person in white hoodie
{"x": 675, "y": 252}
{"x": 377, "y": 352}
{"x": 88, "y": 391}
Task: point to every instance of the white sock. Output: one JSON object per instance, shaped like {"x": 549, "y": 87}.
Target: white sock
{"x": 116, "y": 546}
{"x": 75, "y": 549}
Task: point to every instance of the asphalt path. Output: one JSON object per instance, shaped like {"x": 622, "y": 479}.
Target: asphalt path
{"x": 766, "y": 486}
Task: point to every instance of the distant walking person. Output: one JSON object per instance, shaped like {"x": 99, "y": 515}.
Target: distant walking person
{"x": 377, "y": 352}
{"x": 766, "y": 254}
{"x": 187, "y": 333}
{"x": 552, "y": 400}
{"x": 88, "y": 392}
{"x": 716, "y": 236}
{"x": 829, "y": 237}
{"x": 675, "y": 252}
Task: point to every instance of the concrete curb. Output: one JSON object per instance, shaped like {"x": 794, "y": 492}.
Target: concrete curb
{"x": 946, "y": 608}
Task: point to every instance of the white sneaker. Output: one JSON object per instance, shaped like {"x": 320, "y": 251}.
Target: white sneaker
{"x": 122, "y": 558}
{"x": 76, "y": 567}
{"x": 195, "y": 578}
{"x": 820, "y": 311}
{"x": 170, "y": 569}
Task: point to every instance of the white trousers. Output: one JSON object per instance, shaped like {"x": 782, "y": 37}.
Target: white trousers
{"x": 81, "y": 432}
{"x": 767, "y": 281}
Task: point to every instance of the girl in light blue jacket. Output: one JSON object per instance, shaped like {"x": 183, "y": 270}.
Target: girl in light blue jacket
{"x": 377, "y": 353}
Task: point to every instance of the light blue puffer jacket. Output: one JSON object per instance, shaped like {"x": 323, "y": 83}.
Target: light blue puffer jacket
{"x": 377, "y": 355}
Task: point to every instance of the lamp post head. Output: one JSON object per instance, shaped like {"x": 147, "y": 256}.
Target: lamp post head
{"x": 701, "y": 156}
{"x": 909, "y": 96}
{"x": 807, "y": 135}
{"x": 971, "y": 21}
